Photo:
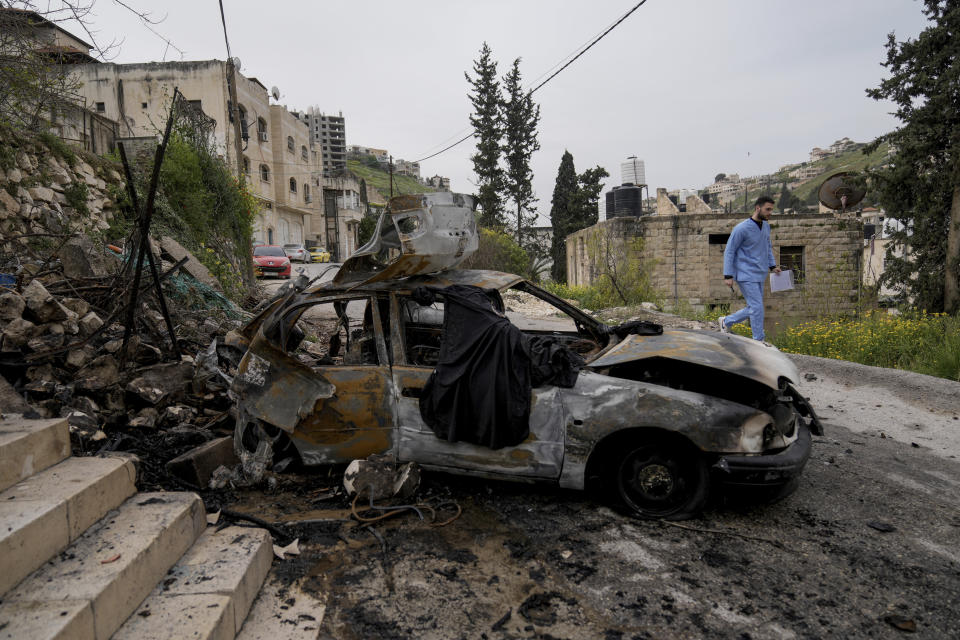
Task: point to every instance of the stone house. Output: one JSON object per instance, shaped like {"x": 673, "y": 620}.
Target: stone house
{"x": 684, "y": 255}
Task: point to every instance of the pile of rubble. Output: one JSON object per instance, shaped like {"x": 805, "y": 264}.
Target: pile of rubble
{"x": 61, "y": 347}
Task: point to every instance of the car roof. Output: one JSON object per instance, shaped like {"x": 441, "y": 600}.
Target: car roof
{"x": 474, "y": 277}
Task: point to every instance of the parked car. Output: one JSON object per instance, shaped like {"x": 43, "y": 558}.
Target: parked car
{"x": 319, "y": 254}
{"x": 296, "y": 252}
{"x": 270, "y": 260}
{"x": 653, "y": 423}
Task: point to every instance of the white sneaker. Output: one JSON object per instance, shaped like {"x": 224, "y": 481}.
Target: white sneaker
{"x": 722, "y": 321}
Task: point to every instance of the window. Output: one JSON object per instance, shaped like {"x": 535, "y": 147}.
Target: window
{"x": 303, "y": 153}
{"x": 290, "y": 145}
{"x": 143, "y": 105}
{"x": 306, "y": 193}
{"x": 264, "y": 173}
{"x": 262, "y": 129}
{"x": 101, "y": 107}
{"x": 293, "y": 185}
{"x": 197, "y": 105}
{"x": 718, "y": 238}
{"x": 246, "y": 165}
{"x": 792, "y": 258}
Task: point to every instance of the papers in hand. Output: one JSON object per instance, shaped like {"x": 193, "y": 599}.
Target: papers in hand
{"x": 782, "y": 281}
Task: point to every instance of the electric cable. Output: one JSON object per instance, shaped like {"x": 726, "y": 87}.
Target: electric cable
{"x": 552, "y": 76}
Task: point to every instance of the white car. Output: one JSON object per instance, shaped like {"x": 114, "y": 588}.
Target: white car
{"x": 297, "y": 252}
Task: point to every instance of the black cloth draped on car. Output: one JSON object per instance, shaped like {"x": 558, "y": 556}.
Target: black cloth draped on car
{"x": 480, "y": 389}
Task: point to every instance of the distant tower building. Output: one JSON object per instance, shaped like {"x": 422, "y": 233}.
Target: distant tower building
{"x": 329, "y": 133}
{"x": 633, "y": 172}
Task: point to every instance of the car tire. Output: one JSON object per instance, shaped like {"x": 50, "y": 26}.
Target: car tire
{"x": 660, "y": 478}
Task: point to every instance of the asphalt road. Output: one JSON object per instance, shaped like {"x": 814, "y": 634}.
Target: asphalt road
{"x": 868, "y": 546}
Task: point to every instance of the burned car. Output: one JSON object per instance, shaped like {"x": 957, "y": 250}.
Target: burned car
{"x": 652, "y": 422}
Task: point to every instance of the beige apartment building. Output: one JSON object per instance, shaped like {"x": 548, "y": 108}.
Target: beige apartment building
{"x": 273, "y": 141}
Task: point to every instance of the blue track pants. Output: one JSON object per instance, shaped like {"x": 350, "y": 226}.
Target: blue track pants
{"x": 753, "y": 294}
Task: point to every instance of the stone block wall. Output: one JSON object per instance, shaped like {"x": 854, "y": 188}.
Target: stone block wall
{"x": 685, "y": 255}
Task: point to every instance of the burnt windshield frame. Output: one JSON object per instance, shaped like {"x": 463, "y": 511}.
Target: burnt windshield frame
{"x": 599, "y": 331}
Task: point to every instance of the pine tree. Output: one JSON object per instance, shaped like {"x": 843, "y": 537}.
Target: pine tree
{"x": 920, "y": 186}
{"x": 564, "y": 191}
{"x": 521, "y": 117}
{"x": 488, "y": 129}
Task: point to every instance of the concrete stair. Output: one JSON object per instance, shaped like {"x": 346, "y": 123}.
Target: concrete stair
{"x": 83, "y": 555}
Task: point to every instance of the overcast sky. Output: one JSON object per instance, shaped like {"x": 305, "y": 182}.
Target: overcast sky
{"x": 693, "y": 88}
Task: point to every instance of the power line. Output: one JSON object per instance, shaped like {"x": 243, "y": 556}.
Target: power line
{"x": 551, "y": 77}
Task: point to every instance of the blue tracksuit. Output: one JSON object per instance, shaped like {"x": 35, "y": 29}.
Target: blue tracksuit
{"x": 749, "y": 258}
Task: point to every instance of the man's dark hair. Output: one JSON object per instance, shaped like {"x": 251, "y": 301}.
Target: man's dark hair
{"x": 762, "y": 200}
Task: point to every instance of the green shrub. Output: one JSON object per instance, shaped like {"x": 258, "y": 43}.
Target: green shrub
{"x": 58, "y": 147}
{"x": 76, "y": 194}
{"x": 498, "y": 251}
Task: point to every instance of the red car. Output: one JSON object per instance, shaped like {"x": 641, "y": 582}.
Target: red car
{"x": 270, "y": 260}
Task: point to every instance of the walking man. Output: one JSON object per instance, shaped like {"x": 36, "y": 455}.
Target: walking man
{"x": 747, "y": 259}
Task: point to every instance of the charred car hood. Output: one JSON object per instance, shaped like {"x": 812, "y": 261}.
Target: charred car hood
{"x": 726, "y": 352}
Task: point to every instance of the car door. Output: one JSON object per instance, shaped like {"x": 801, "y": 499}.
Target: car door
{"x": 415, "y": 342}
{"x": 339, "y": 407}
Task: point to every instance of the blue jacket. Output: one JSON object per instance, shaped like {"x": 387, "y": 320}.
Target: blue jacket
{"x": 749, "y": 255}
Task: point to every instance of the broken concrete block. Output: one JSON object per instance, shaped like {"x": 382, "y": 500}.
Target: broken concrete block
{"x": 193, "y": 266}
{"x": 80, "y": 420}
{"x": 79, "y": 357}
{"x": 85, "y": 404}
{"x": 197, "y": 465}
{"x": 18, "y": 332}
{"x": 41, "y": 372}
{"x": 41, "y": 305}
{"x": 78, "y": 305}
{"x": 12, "y": 304}
{"x": 178, "y": 413}
{"x": 90, "y": 323}
{"x": 11, "y": 401}
{"x": 146, "y": 419}
{"x": 47, "y": 341}
{"x": 162, "y": 382}
{"x": 80, "y": 259}
{"x": 99, "y": 374}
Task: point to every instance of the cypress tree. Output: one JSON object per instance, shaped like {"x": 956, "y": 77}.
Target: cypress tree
{"x": 564, "y": 191}
{"x": 521, "y": 117}
{"x": 488, "y": 129}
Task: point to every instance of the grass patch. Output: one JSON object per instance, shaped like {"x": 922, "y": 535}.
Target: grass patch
{"x": 913, "y": 340}
{"x": 380, "y": 179}
{"x": 598, "y": 297}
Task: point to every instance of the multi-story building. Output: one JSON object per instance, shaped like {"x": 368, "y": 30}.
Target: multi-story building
{"x": 382, "y": 155}
{"x": 406, "y": 168}
{"x": 329, "y": 136}
{"x": 138, "y": 97}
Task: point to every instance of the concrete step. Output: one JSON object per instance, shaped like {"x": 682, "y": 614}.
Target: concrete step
{"x": 29, "y": 446}
{"x": 92, "y": 587}
{"x": 208, "y": 592}
{"x": 49, "y": 510}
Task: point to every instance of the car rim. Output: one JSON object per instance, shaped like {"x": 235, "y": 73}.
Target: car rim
{"x": 656, "y": 481}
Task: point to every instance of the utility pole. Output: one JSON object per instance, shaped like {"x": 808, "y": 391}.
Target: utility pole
{"x": 390, "y": 166}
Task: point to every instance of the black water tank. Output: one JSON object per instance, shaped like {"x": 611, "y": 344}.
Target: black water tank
{"x": 626, "y": 200}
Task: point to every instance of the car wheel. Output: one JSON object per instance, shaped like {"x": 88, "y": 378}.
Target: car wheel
{"x": 661, "y": 478}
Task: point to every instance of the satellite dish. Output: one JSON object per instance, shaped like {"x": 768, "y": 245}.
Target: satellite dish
{"x": 839, "y": 194}
{"x": 236, "y": 62}
{"x": 275, "y": 93}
